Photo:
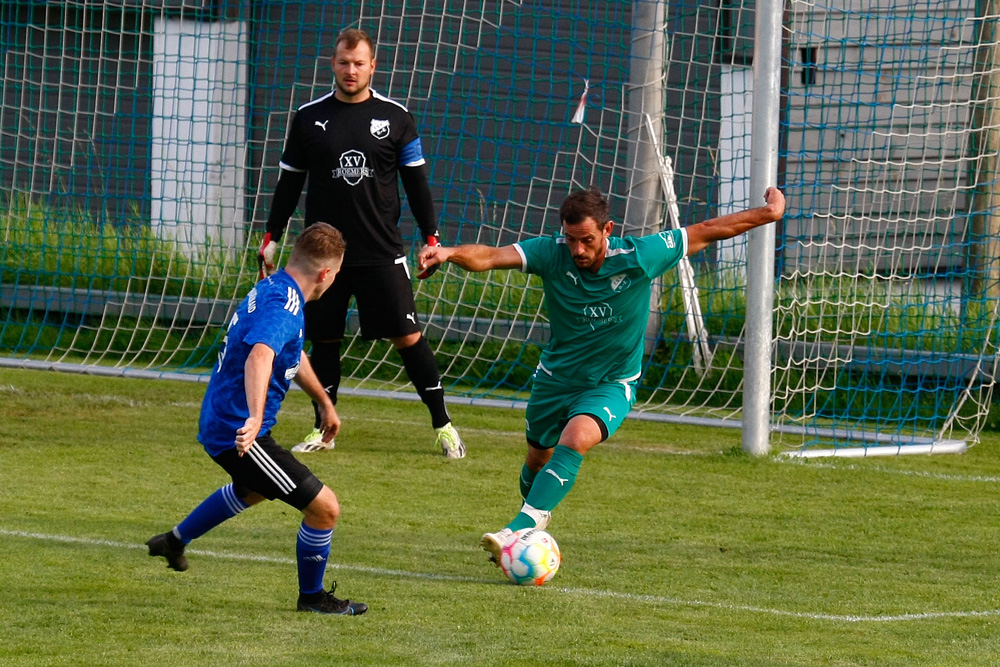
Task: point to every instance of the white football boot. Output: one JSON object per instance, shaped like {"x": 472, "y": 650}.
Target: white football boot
{"x": 493, "y": 543}
{"x": 450, "y": 443}
{"x": 313, "y": 443}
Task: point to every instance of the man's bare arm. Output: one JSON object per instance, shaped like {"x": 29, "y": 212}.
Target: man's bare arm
{"x": 257, "y": 374}
{"x": 703, "y": 234}
{"x": 471, "y": 257}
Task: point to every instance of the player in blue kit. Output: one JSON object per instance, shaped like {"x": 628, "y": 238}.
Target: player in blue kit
{"x": 261, "y": 354}
{"x": 597, "y": 291}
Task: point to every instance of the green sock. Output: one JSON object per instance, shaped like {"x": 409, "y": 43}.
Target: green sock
{"x": 551, "y": 484}
{"x": 526, "y": 479}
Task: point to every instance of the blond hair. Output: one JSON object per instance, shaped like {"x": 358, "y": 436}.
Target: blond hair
{"x": 318, "y": 246}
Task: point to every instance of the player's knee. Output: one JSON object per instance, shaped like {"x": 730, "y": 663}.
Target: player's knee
{"x": 579, "y": 445}
{"x": 582, "y": 433}
{"x": 324, "y": 511}
{"x": 579, "y": 442}
{"x": 403, "y": 342}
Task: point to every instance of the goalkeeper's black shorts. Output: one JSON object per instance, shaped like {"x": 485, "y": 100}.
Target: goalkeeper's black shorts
{"x": 384, "y": 296}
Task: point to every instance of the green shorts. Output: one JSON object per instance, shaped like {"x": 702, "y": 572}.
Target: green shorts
{"x": 552, "y": 404}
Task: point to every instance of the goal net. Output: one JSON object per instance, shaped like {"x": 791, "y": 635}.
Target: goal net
{"x": 139, "y": 144}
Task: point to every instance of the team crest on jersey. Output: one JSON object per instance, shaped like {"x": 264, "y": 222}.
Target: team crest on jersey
{"x": 620, "y": 282}
{"x": 352, "y": 167}
{"x": 379, "y": 128}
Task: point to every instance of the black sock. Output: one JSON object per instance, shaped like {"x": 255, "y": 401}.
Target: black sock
{"x": 421, "y": 368}
{"x": 325, "y": 360}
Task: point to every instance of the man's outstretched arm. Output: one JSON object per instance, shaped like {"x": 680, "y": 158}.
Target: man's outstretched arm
{"x": 703, "y": 234}
{"x": 471, "y": 257}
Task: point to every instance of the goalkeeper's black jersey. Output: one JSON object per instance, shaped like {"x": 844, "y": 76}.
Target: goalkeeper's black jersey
{"x": 352, "y": 154}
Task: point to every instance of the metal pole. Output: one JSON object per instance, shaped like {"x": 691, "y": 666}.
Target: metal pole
{"x": 646, "y": 99}
{"x": 760, "y": 241}
{"x": 643, "y": 212}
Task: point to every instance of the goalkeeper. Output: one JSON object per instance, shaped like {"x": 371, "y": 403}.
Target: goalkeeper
{"x": 354, "y": 146}
{"x": 261, "y": 353}
{"x": 597, "y": 291}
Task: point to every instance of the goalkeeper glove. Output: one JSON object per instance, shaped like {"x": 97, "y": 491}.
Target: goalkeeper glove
{"x": 427, "y": 273}
{"x": 265, "y": 256}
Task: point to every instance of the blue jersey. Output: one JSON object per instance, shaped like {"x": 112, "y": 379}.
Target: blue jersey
{"x": 271, "y": 314}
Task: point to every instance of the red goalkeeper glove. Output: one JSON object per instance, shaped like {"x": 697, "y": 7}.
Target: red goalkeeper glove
{"x": 427, "y": 273}
{"x": 265, "y": 256}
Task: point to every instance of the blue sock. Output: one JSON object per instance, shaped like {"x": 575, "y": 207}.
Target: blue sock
{"x": 312, "y": 550}
{"x": 221, "y": 505}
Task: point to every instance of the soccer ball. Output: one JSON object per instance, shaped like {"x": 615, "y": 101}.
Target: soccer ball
{"x": 530, "y": 558}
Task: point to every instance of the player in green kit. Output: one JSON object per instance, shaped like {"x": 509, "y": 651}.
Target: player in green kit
{"x": 597, "y": 291}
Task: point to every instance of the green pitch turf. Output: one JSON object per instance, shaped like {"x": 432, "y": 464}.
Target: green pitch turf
{"x": 676, "y": 550}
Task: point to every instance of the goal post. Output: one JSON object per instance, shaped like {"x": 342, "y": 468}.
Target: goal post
{"x": 756, "y": 438}
{"x": 139, "y": 144}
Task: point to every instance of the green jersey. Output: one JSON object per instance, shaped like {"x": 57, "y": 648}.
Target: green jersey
{"x": 598, "y": 320}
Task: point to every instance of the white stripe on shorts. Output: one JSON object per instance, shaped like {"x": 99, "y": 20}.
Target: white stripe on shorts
{"x": 406, "y": 267}
{"x": 271, "y": 469}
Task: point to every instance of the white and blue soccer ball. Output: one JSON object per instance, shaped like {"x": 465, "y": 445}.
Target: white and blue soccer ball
{"x": 530, "y": 557}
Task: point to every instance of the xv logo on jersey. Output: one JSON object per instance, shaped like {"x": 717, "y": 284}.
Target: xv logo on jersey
{"x": 379, "y": 128}
{"x": 598, "y": 315}
{"x": 598, "y": 311}
{"x": 352, "y": 167}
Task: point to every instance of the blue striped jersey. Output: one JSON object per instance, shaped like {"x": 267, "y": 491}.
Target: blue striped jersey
{"x": 271, "y": 314}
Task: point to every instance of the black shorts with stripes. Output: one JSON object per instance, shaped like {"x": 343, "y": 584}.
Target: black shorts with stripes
{"x": 272, "y": 471}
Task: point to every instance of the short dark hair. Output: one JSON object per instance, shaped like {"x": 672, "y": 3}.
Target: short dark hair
{"x": 317, "y": 245}
{"x": 351, "y": 37}
{"x": 583, "y": 204}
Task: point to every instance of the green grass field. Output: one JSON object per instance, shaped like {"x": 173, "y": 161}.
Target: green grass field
{"x": 676, "y": 550}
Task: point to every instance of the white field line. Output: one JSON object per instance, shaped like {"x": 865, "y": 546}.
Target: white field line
{"x": 584, "y": 592}
{"x": 950, "y": 477}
